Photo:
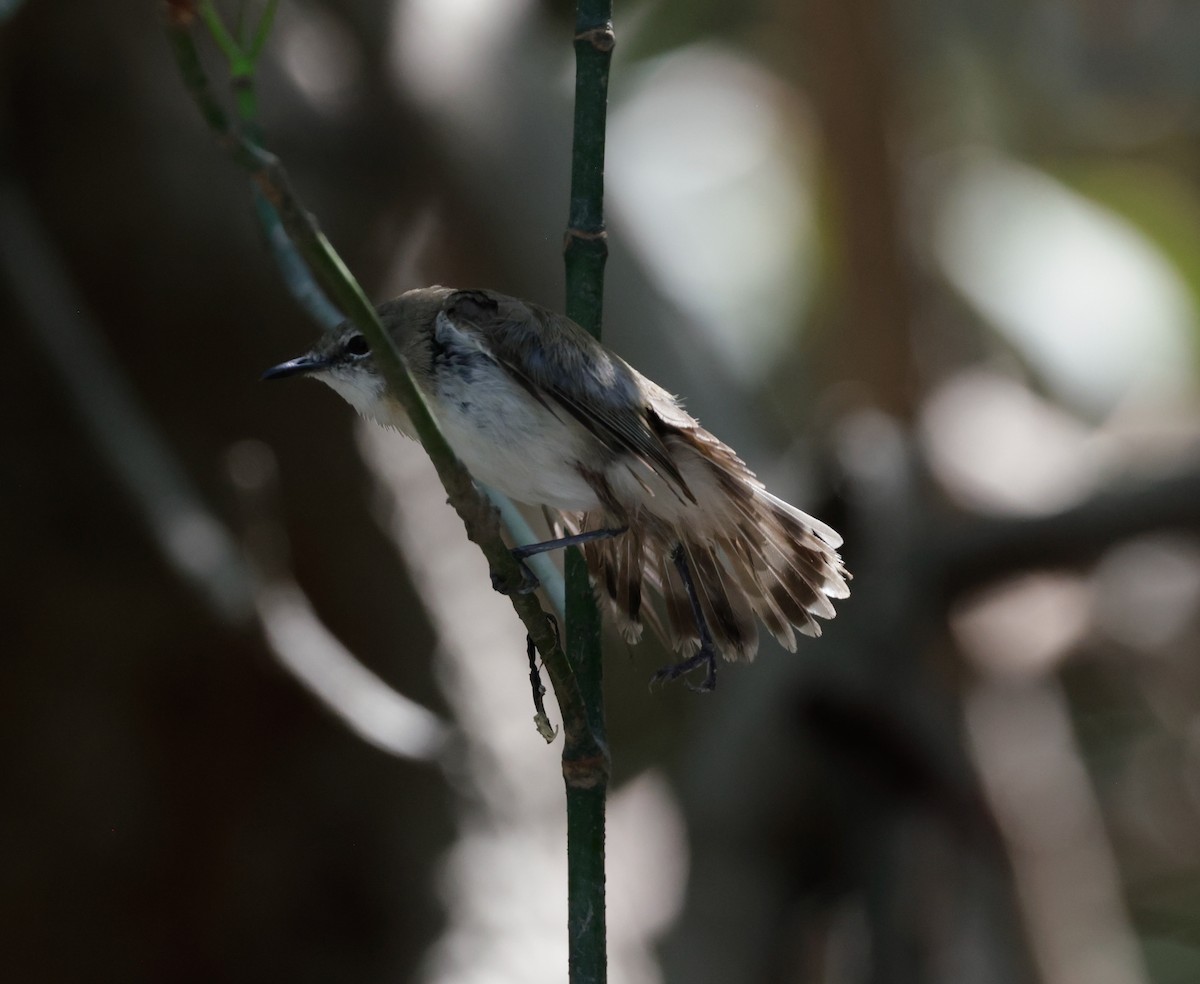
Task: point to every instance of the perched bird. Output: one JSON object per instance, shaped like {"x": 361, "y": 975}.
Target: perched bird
{"x": 538, "y": 409}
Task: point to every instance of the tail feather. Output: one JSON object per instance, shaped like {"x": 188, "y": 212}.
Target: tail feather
{"x": 683, "y": 634}
{"x": 629, "y": 597}
{"x": 725, "y": 602}
{"x": 763, "y": 604}
{"x": 749, "y": 553}
{"x": 804, "y": 522}
{"x": 618, "y": 563}
{"x": 793, "y": 553}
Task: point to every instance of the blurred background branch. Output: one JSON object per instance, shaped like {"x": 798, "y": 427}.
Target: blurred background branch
{"x": 197, "y": 546}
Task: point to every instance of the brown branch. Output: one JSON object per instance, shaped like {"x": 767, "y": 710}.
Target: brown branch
{"x": 978, "y": 549}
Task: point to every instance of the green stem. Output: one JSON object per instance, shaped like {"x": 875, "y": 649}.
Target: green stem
{"x": 587, "y": 788}
{"x": 221, "y": 34}
{"x": 265, "y": 23}
{"x": 586, "y": 247}
{"x": 584, "y": 254}
{"x": 241, "y": 56}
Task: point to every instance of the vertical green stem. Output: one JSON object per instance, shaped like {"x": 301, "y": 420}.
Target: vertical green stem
{"x": 586, "y": 247}
{"x": 584, "y": 253}
{"x": 587, "y": 787}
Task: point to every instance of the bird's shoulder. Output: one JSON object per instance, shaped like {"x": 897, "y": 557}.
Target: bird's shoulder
{"x": 540, "y": 341}
{"x": 562, "y": 366}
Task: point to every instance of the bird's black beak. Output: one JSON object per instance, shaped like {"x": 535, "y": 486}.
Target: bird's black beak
{"x": 297, "y": 367}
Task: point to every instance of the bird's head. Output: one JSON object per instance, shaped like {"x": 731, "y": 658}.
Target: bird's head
{"x": 342, "y": 358}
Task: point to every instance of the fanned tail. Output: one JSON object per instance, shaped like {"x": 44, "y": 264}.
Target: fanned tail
{"x": 752, "y": 557}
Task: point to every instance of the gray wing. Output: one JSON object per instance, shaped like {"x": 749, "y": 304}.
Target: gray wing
{"x": 561, "y": 365}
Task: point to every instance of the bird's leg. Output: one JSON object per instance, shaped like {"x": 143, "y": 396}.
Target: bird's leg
{"x": 707, "y": 655}
{"x": 529, "y": 581}
{"x": 566, "y": 541}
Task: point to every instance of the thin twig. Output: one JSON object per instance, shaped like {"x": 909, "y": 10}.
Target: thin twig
{"x": 540, "y": 720}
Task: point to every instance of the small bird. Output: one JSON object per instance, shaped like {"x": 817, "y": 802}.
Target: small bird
{"x": 535, "y": 407}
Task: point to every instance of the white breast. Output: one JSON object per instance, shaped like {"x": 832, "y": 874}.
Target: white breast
{"x": 511, "y": 442}
{"x": 503, "y": 435}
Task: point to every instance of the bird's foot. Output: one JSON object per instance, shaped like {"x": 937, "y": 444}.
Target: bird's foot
{"x": 706, "y": 657}
{"x": 526, "y": 583}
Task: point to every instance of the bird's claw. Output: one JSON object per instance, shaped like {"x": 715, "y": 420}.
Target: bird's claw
{"x": 527, "y": 584}
{"x": 706, "y": 657}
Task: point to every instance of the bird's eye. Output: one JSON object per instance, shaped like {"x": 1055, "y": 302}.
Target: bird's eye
{"x": 357, "y": 345}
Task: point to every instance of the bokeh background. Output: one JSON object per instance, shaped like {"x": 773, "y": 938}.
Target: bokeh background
{"x": 932, "y": 267}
